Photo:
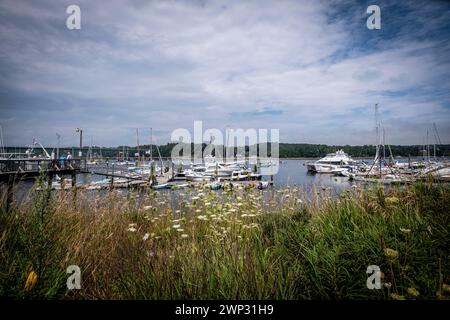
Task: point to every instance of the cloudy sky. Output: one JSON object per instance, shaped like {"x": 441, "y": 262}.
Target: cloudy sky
{"x": 309, "y": 68}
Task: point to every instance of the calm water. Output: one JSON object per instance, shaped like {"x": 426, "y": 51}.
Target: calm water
{"x": 294, "y": 173}
{"x": 290, "y": 173}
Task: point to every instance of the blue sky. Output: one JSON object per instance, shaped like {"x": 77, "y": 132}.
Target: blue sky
{"x": 308, "y": 68}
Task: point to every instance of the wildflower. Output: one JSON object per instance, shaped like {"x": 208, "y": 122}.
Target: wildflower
{"x": 145, "y": 237}
{"x": 31, "y": 281}
{"x": 392, "y": 200}
{"x": 147, "y": 207}
{"x": 396, "y": 296}
{"x": 413, "y": 292}
{"x": 180, "y": 230}
{"x": 176, "y": 226}
{"x": 184, "y": 236}
{"x": 391, "y": 254}
{"x": 132, "y": 229}
{"x": 204, "y": 218}
{"x": 388, "y": 285}
{"x": 405, "y": 230}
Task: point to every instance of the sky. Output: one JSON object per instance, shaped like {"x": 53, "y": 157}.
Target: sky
{"x": 311, "y": 69}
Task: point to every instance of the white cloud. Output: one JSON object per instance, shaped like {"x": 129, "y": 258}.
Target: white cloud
{"x": 167, "y": 63}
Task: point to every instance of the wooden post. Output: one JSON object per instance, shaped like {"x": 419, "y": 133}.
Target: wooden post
{"x": 112, "y": 175}
{"x": 152, "y": 174}
{"x": 173, "y": 170}
{"x": 49, "y": 177}
{"x": 74, "y": 179}
{"x": 74, "y": 188}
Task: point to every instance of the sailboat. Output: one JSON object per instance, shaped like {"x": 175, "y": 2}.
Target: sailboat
{"x": 90, "y": 160}
{"x": 382, "y": 169}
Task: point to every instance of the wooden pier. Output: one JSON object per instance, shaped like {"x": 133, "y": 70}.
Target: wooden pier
{"x": 24, "y": 168}
{"x": 15, "y": 170}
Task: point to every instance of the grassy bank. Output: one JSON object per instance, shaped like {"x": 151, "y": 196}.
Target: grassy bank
{"x": 238, "y": 244}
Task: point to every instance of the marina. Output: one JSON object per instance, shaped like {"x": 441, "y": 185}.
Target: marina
{"x": 201, "y": 151}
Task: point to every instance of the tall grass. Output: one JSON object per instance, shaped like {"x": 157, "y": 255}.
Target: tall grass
{"x": 242, "y": 243}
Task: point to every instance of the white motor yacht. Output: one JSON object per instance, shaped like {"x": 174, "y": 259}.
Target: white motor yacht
{"x": 331, "y": 162}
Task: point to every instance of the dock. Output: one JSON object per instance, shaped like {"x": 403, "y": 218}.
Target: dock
{"x": 24, "y": 168}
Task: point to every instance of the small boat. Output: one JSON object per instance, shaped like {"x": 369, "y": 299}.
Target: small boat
{"x": 162, "y": 186}
{"x": 67, "y": 183}
{"x": 384, "y": 179}
{"x": 341, "y": 172}
{"x": 215, "y": 186}
{"x": 263, "y": 185}
{"x": 105, "y": 181}
{"x": 182, "y": 185}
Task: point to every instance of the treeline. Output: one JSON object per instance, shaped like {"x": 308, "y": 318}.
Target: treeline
{"x": 286, "y": 150}
{"x": 296, "y": 150}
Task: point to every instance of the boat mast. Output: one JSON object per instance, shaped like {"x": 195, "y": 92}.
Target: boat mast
{"x": 1, "y": 141}
{"x": 379, "y": 137}
{"x": 377, "y": 152}
{"x": 90, "y": 149}
{"x": 138, "y": 151}
{"x": 151, "y": 144}
{"x": 58, "y": 137}
{"x": 160, "y": 159}
{"x": 376, "y": 131}
{"x": 436, "y": 134}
